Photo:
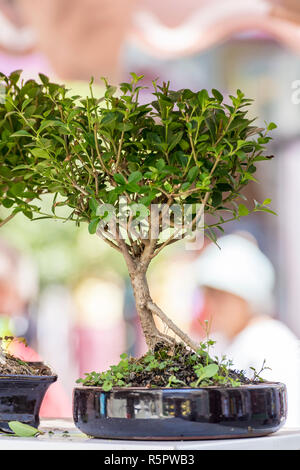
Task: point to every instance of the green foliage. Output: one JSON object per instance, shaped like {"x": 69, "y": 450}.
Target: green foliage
{"x": 257, "y": 375}
{"x": 168, "y": 368}
{"x": 184, "y": 147}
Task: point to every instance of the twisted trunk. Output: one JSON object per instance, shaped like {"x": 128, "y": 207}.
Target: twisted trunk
{"x": 142, "y": 297}
{"x": 146, "y": 308}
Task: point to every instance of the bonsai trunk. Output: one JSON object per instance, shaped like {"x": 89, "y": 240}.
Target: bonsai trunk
{"x": 146, "y": 308}
{"x": 142, "y": 297}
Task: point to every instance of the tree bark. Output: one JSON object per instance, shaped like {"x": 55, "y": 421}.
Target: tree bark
{"x": 142, "y": 297}
{"x": 146, "y": 308}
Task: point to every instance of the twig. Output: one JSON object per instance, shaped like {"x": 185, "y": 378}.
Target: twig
{"x": 7, "y": 219}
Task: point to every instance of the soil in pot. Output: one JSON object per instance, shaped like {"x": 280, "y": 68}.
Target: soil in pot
{"x": 11, "y": 365}
{"x": 170, "y": 367}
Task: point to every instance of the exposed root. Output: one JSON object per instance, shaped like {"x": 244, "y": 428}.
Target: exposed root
{"x": 171, "y": 325}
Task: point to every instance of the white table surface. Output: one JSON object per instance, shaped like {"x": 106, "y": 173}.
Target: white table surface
{"x": 285, "y": 439}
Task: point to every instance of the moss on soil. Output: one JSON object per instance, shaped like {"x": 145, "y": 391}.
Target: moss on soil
{"x": 163, "y": 367}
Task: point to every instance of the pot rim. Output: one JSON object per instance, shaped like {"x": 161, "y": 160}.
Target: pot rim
{"x": 182, "y": 389}
{"x": 27, "y": 377}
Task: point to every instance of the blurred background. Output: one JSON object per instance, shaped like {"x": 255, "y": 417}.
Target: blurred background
{"x": 74, "y": 302}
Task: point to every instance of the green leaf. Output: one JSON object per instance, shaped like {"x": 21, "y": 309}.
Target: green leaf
{"x": 160, "y": 164}
{"x": 124, "y": 126}
{"x": 192, "y": 174}
{"x": 51, "y": 124}
{"x": 23, "y": 430}
{"x": 18, "y": 188}
{"x": 243, "y": 211}
{"x": 107, "y": 386}
{"x": 44, "y": 79}
{"x": 216, "y": 198}
{"x": 8, "y": 203}
{"x": 217, "y": 95}
{"x": 39, "y": 153}
{"x": 203, "y": 97}
{"x": 175, "y": 140}
{"x": 21, "y": 133}
{"x": 210, "y": 370}
{"x": 271, "y": 126}
{"x": 146, "y": 200}
{"x": 93, "y": 225}
{"x": 109, "y": 118}
{"x": 185, "y": 186}
{"x": 119, "y": 179}
{"x": 267, "y": 202}
{"x": 135, "y": 177}
{"x": 133, "y": 187}
{"x": 93, "y": 204}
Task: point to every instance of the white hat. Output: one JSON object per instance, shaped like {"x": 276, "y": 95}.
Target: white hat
{"x": 238, "y": 267}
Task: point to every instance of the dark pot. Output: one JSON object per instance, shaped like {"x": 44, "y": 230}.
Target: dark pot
{"x": 21, "y": 397}
{"x": 175, "y": 414}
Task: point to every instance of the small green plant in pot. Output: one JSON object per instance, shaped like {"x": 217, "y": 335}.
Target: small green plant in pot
{"x": 22, "y": 388}
{"x": 142, "y": 176}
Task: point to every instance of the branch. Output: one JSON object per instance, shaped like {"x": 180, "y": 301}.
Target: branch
{"x": 109, "y": 242}
{"x": 7, "y": 219}
{"x": 183, "y": 336}
{"x": 124, "y": 250}
{"x": 98, "y": 152}
{"x": 119, "y": 149}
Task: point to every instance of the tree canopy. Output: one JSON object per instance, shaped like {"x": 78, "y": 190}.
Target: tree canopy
{"x": 183, "y": 147}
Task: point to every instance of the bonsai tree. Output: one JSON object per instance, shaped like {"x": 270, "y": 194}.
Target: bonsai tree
{"x": 183, "y": 149}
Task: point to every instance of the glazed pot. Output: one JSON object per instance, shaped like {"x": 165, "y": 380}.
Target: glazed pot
{"x": 176, "y": 414}
{"x": 21, "y": 397}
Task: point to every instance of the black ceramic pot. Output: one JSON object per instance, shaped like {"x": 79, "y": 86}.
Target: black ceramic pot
{"x": 176, "y": 414}
{"x": 21, "y": 397}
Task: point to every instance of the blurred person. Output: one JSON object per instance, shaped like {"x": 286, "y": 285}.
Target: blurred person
{"x": 79, "y": 38}
{"x": 169, "y": 30}
{"x": 237, "y": 281}
{"x": 84, "y": 39}
{"x": 18, "y": 287}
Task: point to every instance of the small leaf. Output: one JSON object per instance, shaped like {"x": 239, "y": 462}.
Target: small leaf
{"x": 119, "y": 179}
{"x": 217, "y": 95}
{"x": 39, "y": 153}
{"x": 17, "y": 189}
{"x": 21, "y": 133}
{"x": 192, "y": 174}
{"x": 93, "y": 225}
{"x": 210, "y": 370}
{"x": 135, "y": 177}
{"x": 93, "y": 204}
{"x": 216, "y": 198}
{"x": 243, "y": 211}
{"x": 271, "y": 126}
{"x": 44, "y": 79}
{"x": 176, "y": 139}
{"x": 23, "y": 430}
{"x": 203, "y": 97}
{"x": 267, "y": 202}
{"x": 7, "y": 203}
{"x": 107, "y": 386}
